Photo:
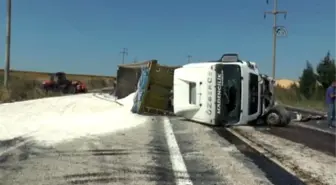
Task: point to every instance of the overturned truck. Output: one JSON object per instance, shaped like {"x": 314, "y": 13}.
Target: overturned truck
{"x": 225, "y": 92}
{"x": 153, "y": 84}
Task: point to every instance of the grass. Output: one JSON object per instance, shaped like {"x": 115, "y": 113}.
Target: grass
{"x": 293, "y": 98}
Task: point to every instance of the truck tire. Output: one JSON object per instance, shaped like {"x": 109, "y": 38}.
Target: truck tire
{"x": 278, "y": 116}
{"x": 72, "y": 89}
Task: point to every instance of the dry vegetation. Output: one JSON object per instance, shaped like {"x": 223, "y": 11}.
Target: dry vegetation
{"x": 25, "y": 88}
{"x": 40, "y": 76}
{"x": 22, "y": 89}
{"x": 290, "y": 96}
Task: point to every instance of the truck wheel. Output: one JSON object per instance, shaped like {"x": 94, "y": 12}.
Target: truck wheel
{"x": 278, "y": 116}
{"x": 72, "y": 89}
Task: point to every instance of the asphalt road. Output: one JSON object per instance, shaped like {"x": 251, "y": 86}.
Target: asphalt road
{"x": 143, "y": 155}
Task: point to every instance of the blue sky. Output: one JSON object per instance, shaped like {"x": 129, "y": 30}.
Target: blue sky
{"x": 86, "y": 36}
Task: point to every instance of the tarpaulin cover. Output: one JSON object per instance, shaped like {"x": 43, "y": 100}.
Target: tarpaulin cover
{"x": 141, "y": 90}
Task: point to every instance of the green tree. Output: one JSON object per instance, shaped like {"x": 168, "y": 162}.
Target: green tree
{"x": 326, "y": 71}
{"x": 308, "y": 81}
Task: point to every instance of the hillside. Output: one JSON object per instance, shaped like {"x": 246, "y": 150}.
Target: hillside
{"x": 40, "y": 76}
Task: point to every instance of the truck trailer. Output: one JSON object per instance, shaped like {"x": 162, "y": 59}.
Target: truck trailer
{"x": 224, "y": 92}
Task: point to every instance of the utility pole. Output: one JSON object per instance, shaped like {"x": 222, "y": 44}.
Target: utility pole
{"x": 278, "y": 31}
{"x": 124, "y": 53}
{"x": 135, "y": 60}
{"x": 8, "y": 42}
{"x": 189, "y": 58}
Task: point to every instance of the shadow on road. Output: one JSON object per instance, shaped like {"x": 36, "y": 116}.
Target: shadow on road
{"x": 16, "y": 150}
{"x": 314, "y": 139}
{"x": 275, "y": 173}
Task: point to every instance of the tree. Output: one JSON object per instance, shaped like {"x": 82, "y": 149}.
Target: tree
{"x": 308, "y": 81}
{"x": 326, "y": 71}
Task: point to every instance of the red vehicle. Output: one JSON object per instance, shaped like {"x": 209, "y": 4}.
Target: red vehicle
{"x": 59, "y": 83}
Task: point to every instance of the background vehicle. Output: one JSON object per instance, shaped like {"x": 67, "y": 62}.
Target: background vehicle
{"x": 226, "y": 92}
{"x": 59, "y": 83}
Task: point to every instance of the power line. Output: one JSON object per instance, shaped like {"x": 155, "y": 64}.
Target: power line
{"x": 8, "y": 43}
{"x": 124, "y": 53}
{"x": 278, "y": 31}
{"x": 189, "y": 58}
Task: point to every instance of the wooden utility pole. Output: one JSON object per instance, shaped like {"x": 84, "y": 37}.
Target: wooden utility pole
{"x": 189, "y": 58}
{"x": 8, "y": 43}
{"x": 124, "y": 53}
{"x": 278, "y": 31}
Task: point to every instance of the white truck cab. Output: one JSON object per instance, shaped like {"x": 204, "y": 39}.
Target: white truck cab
{"x": 225, "y": 92}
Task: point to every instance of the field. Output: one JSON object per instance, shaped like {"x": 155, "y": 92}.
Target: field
{"x": 40, "y": 76}
{"x": 24, "y": 85}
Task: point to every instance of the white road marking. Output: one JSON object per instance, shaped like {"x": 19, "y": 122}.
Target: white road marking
{"x": 180, "y": 170}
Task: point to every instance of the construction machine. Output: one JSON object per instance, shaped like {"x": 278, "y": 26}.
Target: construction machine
{"x": 58, "y": 82}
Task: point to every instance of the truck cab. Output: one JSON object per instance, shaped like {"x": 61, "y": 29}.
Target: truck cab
{"x": 228, "y": 91}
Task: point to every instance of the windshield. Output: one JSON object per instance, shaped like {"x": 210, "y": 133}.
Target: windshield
{"x": 228, "y": 92}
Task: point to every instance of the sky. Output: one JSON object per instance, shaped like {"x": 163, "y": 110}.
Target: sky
{"x": 87, "y": 36}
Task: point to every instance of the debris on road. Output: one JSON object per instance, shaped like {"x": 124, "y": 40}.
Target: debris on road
{"x": 52, "y": 120}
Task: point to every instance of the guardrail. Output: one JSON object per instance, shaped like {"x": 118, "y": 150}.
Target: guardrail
{"x": 305, "y": 115}
{"x": 104, "y": 90}
{"x": 305, "y": 111}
